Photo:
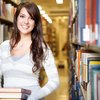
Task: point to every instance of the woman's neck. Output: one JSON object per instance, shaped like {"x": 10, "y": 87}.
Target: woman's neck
{"x": 25, "y": 38}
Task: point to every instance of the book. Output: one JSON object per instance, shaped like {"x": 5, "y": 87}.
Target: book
{"x": 79, "y": 62}
{"x": 1, "y": 32}
{"x": 98, "y": 19}
{"x": 94, "y": 23}
{"x": 89, "y": 59}
{"x": 88, "y": 22}
{"x": 85, "y": 56}
{"x": 16, "y": 90}
{"x": 12, "y": 99}
{"x": 97, "y": 87}
{"x": 81, "y": 20}
{"x": 14, "y": 93}
{"x": 94, "y": 65}
{"x": 95, "y": 70}
{"x": 88, "y": 92}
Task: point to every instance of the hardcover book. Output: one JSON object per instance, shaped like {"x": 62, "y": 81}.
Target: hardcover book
{"x": 14, "y": 93}
{"x": 97, "y": 86}
{"x": 95, "y": 70}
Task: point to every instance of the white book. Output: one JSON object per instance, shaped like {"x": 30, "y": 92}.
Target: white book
{"x": 1, "y": 32}
{"x": 14, "y": 93}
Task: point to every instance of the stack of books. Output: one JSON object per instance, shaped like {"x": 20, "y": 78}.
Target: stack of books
{"x": 14, "y": 94}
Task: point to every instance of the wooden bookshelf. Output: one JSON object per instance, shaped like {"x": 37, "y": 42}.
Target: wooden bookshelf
{"x": 88, "y": 46}
{"x": 7, "y": 10}
{"x": 78, "y": 32}
{"x": 12, "y": 2}
{"x": 8, "y": 22}
{"x": 93, "y": 48}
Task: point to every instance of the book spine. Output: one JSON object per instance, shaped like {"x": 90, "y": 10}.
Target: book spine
{"x": 81, "y": 19}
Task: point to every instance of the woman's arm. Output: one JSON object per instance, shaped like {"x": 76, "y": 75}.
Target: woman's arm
{"x": 4, "y": 51}
{"x": 0, "y": 67}
{"x": 52, "y": 75}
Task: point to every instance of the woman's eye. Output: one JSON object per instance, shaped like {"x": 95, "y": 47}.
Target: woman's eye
{"x": 21, "y": 16}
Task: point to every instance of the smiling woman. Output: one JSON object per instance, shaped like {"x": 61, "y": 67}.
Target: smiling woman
{"x": 25, "y": 22}
{"x": 23, "y": 56}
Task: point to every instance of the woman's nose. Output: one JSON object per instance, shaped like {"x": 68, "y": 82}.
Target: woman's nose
{"x": 26, "y": 20}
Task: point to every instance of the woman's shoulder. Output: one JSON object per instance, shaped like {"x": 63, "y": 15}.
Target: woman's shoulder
{"x": 5, "y": 44}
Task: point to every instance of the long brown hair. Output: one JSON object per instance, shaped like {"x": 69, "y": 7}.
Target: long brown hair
{"x": 36, "y": 47}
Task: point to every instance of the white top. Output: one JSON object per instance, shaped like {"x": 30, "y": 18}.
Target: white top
{"x": 18, "y": 73}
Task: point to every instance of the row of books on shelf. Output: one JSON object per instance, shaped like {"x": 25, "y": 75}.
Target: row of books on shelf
{"x": 87, "y": 69}
{"x": 84, "y": 61}
{"x": 5, "y": 32}
{"x": 86, "y": 28}
{"x": 92, "y": 92}
{"x": 95, "y": 81}
{"x": 6, "y": 10}
{"x": 76, "y": 92}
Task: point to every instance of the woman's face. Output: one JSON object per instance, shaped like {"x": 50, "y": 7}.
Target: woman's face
{"x": 25, "y": 23}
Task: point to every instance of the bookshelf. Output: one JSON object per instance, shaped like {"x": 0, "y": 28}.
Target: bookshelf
{"x": 49, "y": 35}
{"x": 52, "y": 40}
{"x": 8, "y": 22}
{"x": 44, "y": 26}
{"x": 7, "y": 9}
{"x": 93, "y": 48}
{"x": 84, "y": 49}
{"x": 13, "y": 2}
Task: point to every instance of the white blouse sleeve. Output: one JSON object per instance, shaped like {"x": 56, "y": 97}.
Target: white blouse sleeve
{"x": 4, "y": 48}
{"x": 0, "y": 65}
{"x": 52, "y": 75}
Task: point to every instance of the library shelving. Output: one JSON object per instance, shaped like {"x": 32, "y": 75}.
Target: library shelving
{"x": 52, "y": 40}
{"x": 3, "y": 20}
{"x": 84, "y": 49}
{"x": 49, "y": 34}
{"x": 13, "y": 2}
{"x": 7, "y": 9}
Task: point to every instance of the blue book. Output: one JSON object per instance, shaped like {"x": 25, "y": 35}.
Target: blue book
{"x": 98, "y": 21}
{"x": 95, "y": 69}
{"x": 97, "y": 86}
{"x": 89, "y": 59}
{"x": 81, "y": 19}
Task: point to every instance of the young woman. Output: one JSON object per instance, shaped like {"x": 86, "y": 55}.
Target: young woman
{"x": 23, "y": 56}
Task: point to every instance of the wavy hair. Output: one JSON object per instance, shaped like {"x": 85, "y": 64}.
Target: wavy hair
{"x": 36, "y": 47}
